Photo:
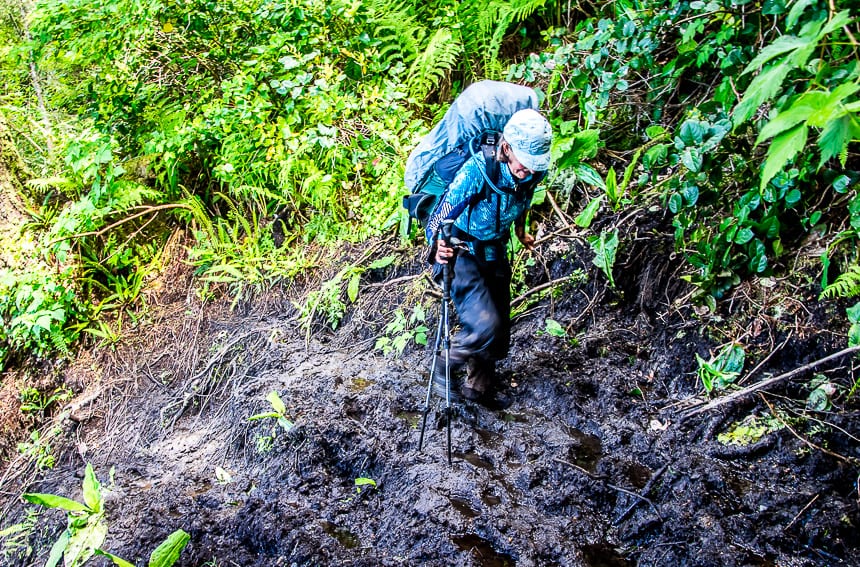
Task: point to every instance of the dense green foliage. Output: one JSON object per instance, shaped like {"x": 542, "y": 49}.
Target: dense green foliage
{"x": 136, "y": 118}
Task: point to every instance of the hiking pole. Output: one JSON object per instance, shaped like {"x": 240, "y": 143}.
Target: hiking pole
{"x": 443, "y": 339}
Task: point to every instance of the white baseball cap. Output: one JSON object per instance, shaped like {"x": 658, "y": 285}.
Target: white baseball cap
{"x": 530, "y": 136}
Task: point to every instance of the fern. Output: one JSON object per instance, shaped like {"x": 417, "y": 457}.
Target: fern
{"x": 846, "y": 285}
{"x": 484, "y": 27}
{"x": 432, "y": 66}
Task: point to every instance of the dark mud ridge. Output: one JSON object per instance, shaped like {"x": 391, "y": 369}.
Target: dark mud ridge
{"x": 590, "y": 465}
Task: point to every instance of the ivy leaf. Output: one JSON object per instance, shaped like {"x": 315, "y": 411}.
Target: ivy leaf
{"x": 783, "y": 148}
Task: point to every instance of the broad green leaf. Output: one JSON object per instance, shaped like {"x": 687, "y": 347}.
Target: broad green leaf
{"x": 781, "y": 45}
{"x": 83, "y": 543}
{"x": 54, "y": 501}
{"x": 796, "y": 11}
{"x": 605, "y": 247}
{"x": 584, "y": 218}
{"x": 382, "y": 262}
{"x": 166, "y": 554}
{"x": 116, "y": 560}
{"x": 589, "y": 175}
{"x": 364, "y": 481}
{"x": 854, "y": 335}
{"x": 853, "y": 313}
{"x": 692, "y": 159}
{"x": 763, "y": 87}
{"x": 785, "y": 120}
{"x": 58, "y": 549}
{"x": 92, "y": 490}
{"x": 554, "y": 328}
{"x": 840, "y": 20}
{"x": 285, "y": 423}
{"x": 743, "y": 236}
{"x": 783, "y": 148}
{"x": 277, "y": 403}
{"x": 352, "y": 287}
{"x": 611, "y": 185}
{"x": 266, "y": 415}
{"x": 834, "y": 138}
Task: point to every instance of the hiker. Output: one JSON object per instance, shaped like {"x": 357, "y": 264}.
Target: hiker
{"x": 480, "y": 289}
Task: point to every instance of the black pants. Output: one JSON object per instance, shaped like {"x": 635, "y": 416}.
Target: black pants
{"x": 481, "y": 293}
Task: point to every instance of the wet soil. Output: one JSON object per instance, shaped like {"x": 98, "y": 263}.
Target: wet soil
{"x": 591, "y": 465}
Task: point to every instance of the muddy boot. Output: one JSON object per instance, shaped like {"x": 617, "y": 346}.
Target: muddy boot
{"x": 480, "y": 385}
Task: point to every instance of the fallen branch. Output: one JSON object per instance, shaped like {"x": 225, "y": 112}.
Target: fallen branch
{"x": 734, "y": 396}
{"x": 101, "y": 231}
{"x": 643, "y": 492}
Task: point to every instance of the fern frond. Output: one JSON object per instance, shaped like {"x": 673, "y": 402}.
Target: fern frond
{"x": 432, "y": 66}
{"x": 846, "y": 285}
{"x": 59, "y": 342}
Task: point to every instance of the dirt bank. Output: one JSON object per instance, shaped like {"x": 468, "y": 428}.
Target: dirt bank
{"x": 591, "y": 464}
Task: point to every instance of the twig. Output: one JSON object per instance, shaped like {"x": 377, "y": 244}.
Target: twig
{"x": 119, "y": 222}
{"x": 395, "y": 280}
{"x": 541, "y": 287}
{"x": 562, "y": 217}
{"x": 849, "y": 460}
{"x": 799, "y": 514}
{"x": 765, "y": 359}
{"x": 766, "y": 383}
{"x": 643, "y": 492}
{"x": 612, "y": 486}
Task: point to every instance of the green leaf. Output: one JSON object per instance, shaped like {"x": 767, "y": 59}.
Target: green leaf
{"x": 83, "y": 543}
{"x": 116, "y": 560}
{"x": 54, "y": 501}
{"x": 605, "y": 247}
{"x": 587, "y": 215}
{"x": 853, "y": 313}
{"x": 781, "y": 45}
{"x": 743, "y": 236}
{"x": 277, "y": 403}
{"x": 166, "y": 554}
{"x": 783, "y": 148}
{"x": 796, "y": 11}
{"x": 382, "y": 262}
{"x": 352, "y": 287}
{"x": 589, "y": 175}
{"x": 364, "y": 481}
{"x": 763, "y": 87}
{"x": 799, "y": 112}
{"x": 271, "y": 414}
{"x": 58, "y": 549}
{"x": 554, "y": 328}
{"x": 854, "y": 335}
{"x": 92, "y": 490}
{"x": 834, "y": 138}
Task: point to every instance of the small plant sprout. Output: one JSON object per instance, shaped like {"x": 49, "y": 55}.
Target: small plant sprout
{"x": 721, "y": 370}
{"x": 553, "y": 328}
{"x": 279, "y": 412}
{"x": 363, "y": 481}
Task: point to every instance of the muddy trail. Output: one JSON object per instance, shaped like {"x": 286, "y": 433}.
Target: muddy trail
{"x": 592, "y": 464}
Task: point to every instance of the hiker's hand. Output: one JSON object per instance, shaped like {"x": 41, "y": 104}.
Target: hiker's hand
{"x": 527, "y": 240}
{"x": 443, "y": 252}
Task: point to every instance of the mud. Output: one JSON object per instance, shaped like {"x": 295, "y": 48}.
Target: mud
{"x": 591, "y": 465}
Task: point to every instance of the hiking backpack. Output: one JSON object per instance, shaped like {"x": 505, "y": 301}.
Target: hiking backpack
{"x": 472, "y": 123}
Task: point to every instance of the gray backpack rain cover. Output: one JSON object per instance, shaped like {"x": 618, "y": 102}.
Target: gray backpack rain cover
{"x": 485, "y": 105}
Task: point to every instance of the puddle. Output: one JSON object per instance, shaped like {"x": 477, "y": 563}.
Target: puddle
{"x": 587, "y": 450}
{"x": 359, "y": 384}
{"x": 345, "y": 537}
{"x": 412, "y": 418}
{"x": 490, "y": 498}
{"x": 482, "y": 551}
{"x": 514, "y": 417}
{"x": 489, "y": 438}
{"x": 463, "y": 506}
{"x": 603, "y": 555}
{"x": 475, "y": 460}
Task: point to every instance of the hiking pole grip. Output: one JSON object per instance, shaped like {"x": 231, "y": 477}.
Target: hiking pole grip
{"x": 446, "y": 233}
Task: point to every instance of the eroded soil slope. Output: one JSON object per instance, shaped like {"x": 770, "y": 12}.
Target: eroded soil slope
{"x": 591, "y": 464}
